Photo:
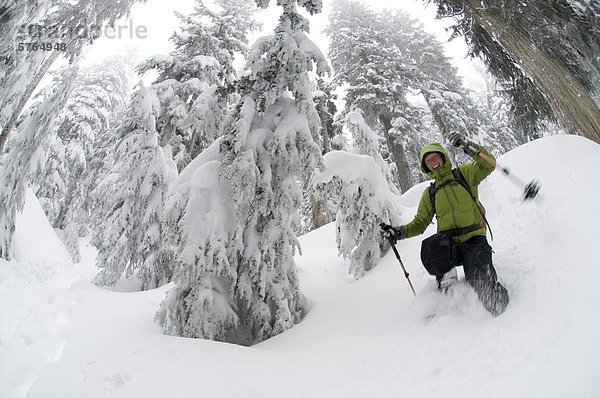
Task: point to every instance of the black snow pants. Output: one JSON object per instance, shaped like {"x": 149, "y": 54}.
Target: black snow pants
{"x": 475, "y": 255}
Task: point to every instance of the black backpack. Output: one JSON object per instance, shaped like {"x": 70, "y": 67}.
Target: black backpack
{"x": 460, "y": 179}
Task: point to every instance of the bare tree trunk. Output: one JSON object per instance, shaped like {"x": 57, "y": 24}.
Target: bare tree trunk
{"x": 404, "y": 175}
{"x": 318, "y": 212}
{"x": 570, "y": 100}
{"x": 318, "y": 208}
{"x": 324, "y": 131}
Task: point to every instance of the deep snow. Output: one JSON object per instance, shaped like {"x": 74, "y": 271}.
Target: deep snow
{"x": 61, "y": 336}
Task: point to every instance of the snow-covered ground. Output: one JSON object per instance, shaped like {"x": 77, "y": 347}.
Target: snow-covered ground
{"x": 63, "y": 337}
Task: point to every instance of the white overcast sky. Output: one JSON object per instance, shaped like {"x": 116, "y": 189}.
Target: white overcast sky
{"x": 157, "y": 17}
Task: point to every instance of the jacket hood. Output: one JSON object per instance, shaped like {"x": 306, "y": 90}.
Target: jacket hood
{"x": 435, "y": 147}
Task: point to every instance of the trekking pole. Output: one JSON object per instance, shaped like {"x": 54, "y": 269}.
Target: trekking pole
{"x": 406, "y": 274}
{"x": 530, "y": 190}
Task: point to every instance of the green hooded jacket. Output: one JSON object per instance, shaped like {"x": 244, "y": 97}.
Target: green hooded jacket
{"x": 455, "y": 207}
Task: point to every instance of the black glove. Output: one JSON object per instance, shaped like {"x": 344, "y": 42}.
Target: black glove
{"x": 389, "y": 232}
{"x": 459, "y": 140}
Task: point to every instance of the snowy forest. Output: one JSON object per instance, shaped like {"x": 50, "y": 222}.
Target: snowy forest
{"x": 205, "y": 178}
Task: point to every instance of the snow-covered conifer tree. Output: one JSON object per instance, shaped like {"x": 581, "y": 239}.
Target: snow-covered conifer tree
{"x": 18, "y": 67}
{"x": 316, "y": 212}
{"x": 331, "y": 132}
{"x": 133, "y": 194}
{"x": 67, "y": 26}
{"x": 545, "y": 54}
{"x": 51, "y": 195}
{"x": 452, "y": 106}
{"x": 367, "y": 142}
{"x": 26, "y": 152}
{"x": 192, "y": 80}
{"x": 236, "y": 279}
{"x": 100, "y": 92}
{"x": 364, "y": 57}
{"x": 405, "y": 60}
{"x": 494, "y": 107}
{"x": 363, "y": 201}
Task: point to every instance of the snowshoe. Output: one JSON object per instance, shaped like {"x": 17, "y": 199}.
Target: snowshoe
{"x": 447, "y": 280}
{"x": 453, "y": 298}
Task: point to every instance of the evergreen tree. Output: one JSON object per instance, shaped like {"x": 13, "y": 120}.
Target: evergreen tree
{"x": 452, "y": 106}
{"x": 372, "y": 66}
{"x": 236, "y": 280}
{"x": 331, "y": 132}
{"x": 193, "y": 79}
{"x": 26, "y": 150}
{"x": 133, "y": 195}
{"x": 367, "y": 142}
{"x": 545, "y": 54}
{"x": 363, "y": 200}
{"x": 408, "y": 60}
{"x": 99, "y": 94}
{"x": 315, "y": 212}
{"x": 17, "y": 67}
{"x": 50, "y": 191}
{"x": 74, "y": 24}
{"x": 494, "y": 107}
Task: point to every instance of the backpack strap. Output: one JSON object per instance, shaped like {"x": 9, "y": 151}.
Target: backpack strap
{"x": 433, "y": 190}
{"x": 460, "y": 179}
{"x": 432, "y": 197}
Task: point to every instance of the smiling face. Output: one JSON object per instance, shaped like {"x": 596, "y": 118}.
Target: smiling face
{"x": 434, "y": 161}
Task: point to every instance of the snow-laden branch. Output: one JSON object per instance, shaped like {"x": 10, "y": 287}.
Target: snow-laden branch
{"x": 363, "y": 200}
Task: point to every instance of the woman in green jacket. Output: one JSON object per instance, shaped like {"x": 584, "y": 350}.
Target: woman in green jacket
{"x": 460, "y": 226}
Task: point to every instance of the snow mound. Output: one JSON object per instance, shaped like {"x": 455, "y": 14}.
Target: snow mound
{"x": 35, "y": 301}
{"x": 35, "y": 240}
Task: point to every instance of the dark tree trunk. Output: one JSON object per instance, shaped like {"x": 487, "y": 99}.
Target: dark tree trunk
{"x": 326, "y": 147}
{"x": 404, "y": 175}
{"x": 570, "y": 100}
{"x": 318, "y": 212}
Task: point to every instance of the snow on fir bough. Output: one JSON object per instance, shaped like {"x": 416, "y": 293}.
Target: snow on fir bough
{"x": 363, "y": 200}
{"x": 237, "y": 207}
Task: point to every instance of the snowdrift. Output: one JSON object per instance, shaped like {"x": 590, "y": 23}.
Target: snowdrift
{"x": 361, "y": 338}
{"x": 35, "y": 241}
{"x": 33, "y": 304}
